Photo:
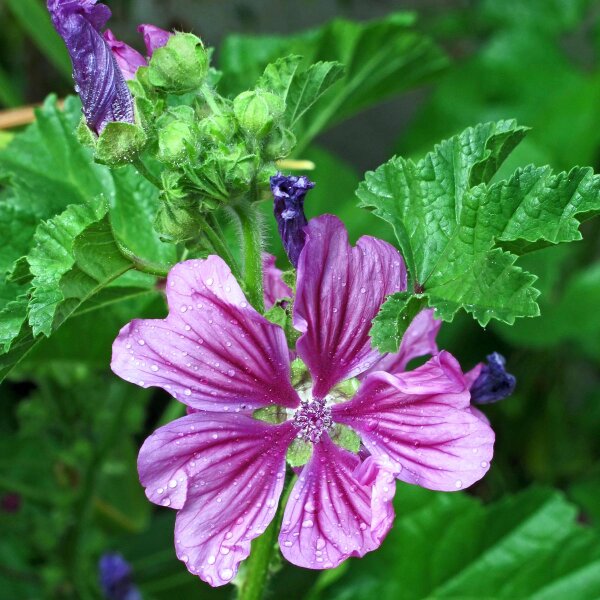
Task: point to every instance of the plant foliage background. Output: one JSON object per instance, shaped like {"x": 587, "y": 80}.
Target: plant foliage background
{"x": 70, "y": 430}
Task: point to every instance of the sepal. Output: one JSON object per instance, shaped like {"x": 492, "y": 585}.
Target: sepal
{"x": 257, "y": 111}
{"x": 119, "y": 144}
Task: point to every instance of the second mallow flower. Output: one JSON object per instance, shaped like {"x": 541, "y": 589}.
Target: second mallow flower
{"x": 359, "y": 427}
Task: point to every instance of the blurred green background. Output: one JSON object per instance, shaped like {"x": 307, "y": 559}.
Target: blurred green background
{"x": 531, "y": 527}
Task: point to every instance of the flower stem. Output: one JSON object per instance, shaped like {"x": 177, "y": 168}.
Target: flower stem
{"x": 143, "y": 170}
{"x": 216, "y": 240}
{"x": 252, "y": 249}
{"x": 261, "y": 555}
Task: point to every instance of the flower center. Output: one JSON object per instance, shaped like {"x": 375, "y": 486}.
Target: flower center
{"x": 312, "y": 418}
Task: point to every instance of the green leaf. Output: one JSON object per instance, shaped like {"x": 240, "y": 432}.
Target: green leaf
{"x": 46, "y": 166}
{"x": 52, "y": 257}
{"x": 382, "y": 58}
{"x": 451, "y": 546}
{"x": 393, "y": 319}
{"x": 460, "y": 237}
{"x": 75, "y": 258}
{"x": 299, "y": 88}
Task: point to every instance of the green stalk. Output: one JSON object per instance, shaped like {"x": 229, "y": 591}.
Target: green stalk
{"x": 256, "y": 567}
{"x": 217, "y": 241}
{"x": 252, "y": 251}
{"x": 143, "y": 170}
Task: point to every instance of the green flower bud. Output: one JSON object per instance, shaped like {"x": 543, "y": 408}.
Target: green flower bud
{"x": 217, "y": 128}
{"x": 257, "y": 111}
{"x": 280, "y": 143}
{"x": 176, "y": 136}
{"x": 119, "y": 144}
{"x": 180, "y": 66}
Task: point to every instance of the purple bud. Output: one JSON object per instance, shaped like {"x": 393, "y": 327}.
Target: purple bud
{"x": 98, "y": 79}
{"x": 154, "y": 37}
{"x": 128, "y": 59}
{"x": 115, "y": 578}
{"x": 289, "y": 193}
{"x": 493, "y": 383}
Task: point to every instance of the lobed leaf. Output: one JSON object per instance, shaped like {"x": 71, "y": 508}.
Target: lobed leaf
{"x": 461, "y": 235}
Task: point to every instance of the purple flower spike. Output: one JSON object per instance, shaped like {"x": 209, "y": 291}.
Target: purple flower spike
{"x": 154, "y": 37}
{"x": 115, "y": 578}
{"x": 128, "y": 59}
{"x": 493, "y": 382}
{"x": 289, "y": 193}
{"x": 222, "y": 467}
{"x": 98, "y": 79}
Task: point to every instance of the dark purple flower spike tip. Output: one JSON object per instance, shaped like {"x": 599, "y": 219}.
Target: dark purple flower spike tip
{"x": 289, "y": 193}
{"x": 493, "y": 383}
{"x": 98, "y": 79}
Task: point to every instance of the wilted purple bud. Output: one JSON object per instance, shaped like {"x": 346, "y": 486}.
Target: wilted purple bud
{"x": 128, "y": 59}
{"x": 98, "y": 79}
{"x": 115, "y": 578}
{"x": 493, "y": 383}
{"x": 154, "y": 37}
{"x": 289, "y": 193}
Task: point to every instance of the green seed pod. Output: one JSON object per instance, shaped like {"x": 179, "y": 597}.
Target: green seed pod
{"x": 180, "y": 66}
{"x": 280, "y": 143}
{"x": 257, "y": 111}
{"x": 119, "y": 144}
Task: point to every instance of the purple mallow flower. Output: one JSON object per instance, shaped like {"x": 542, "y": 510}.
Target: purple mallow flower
{"x": 289, "y": 193}
{"x": 98, "y": 79}
{"x": 223, "y": 465}
{"x": 128, "y": 59}
{"x": 154, "y": 37}
{"x": 491, "y": 381}
{"x": 115, "y": 578}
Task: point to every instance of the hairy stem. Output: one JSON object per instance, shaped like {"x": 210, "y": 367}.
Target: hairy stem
{"x": 252, "y": 250}
{"x": 215, "y": 237}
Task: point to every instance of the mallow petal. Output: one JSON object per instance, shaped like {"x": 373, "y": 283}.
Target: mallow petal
{"x": 329, "y": 515}
{"x": 154, "y": 37}
{"x": 128, "y": 59}
{"x": 235, "y": 477}
{"x": 422, "y": 422}
{"x": 213, "y": 351}
{"x": 274, "y": 287}
{"x": 339, "y": 291}
{"x": 418, "y": 340}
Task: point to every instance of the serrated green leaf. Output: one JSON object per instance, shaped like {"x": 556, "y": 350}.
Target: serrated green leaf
{"x": 52, "y": 257}
{"x": 381, "y": 57}
{"x": 76, "y": 257}
{"x": 525, "y": 546}
{"x": 46, "y": 166}
{"x": 454, "y": 229}
{"x": 393, "y": 319}
{"x": 299, "y": 88}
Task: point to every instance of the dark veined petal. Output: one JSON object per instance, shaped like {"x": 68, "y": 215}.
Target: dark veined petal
{"x": 492, "y": 383}
{"x": 274, "y": 287}
{"x": 233, "y": 470}
{"x": 213, "y": 351}
{"x": 422, "y": 422}
{"x": 339, "y": 291}
{"x": 417, "y": 341}
{"x": 330, "y": 514}
{"x": 98, "y": 79}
